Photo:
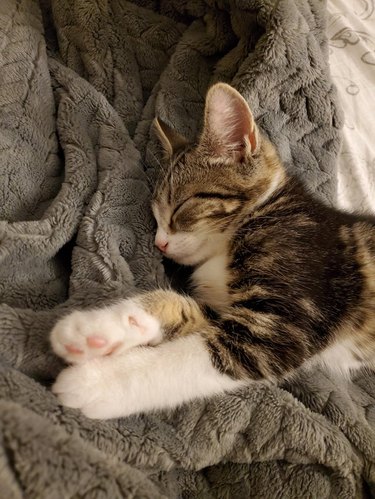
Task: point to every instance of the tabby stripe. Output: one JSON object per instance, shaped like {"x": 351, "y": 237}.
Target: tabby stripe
{"x": 215, "y": 356}
{"x": 169, "y": 187}
{"x": 184, "y": 317}
{"x": 275, "y": 196}
{"x": 268, "y": 283}
{"x": 210, "y": 313}
{"x": 270, "y": 305}
{"x": 226, "y": 218}
{"x": 173, "y": 329}
{"x": 238, "y": 334}
{"x": 242, "y": 356}
{"x": 283, "y": 351}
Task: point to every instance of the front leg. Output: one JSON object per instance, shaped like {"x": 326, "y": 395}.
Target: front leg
{"x": 145, "y": 319}
{"x": 112, "y": 378}
{"x": 143, "y": 379}
{"x": 88, "y": 334}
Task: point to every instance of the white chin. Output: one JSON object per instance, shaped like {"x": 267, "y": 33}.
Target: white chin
{"x": 184, "y": 260}
{"x": 188, "y": 259}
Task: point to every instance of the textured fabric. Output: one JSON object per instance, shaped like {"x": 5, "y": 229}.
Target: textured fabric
{"x": 80, "y": 83}
{"x": 351, "y": 32}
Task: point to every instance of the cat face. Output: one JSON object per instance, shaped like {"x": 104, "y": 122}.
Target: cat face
{"x": 206, "y": 188}
{"x": 194, "y": 208}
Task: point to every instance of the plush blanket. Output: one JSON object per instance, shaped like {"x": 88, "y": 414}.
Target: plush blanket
{"x": 80, "y": 82}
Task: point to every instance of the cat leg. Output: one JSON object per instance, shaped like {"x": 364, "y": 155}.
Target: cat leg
{"x": 142, "y": 320}
{"x": 87, "y": 334}
{"x": 143, "y": 379}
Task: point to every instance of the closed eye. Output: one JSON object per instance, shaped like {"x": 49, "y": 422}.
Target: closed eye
{"x": 211, "y": 195}
{"x": 219, "y": 195}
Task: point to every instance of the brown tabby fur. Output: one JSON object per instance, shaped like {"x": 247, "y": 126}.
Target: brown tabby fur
{"x": 300, "y": 276}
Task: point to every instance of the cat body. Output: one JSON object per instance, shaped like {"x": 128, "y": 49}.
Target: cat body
{"x": 279, "y": 281}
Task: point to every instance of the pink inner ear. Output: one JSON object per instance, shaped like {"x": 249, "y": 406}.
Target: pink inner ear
{"x": 229, "y": 122}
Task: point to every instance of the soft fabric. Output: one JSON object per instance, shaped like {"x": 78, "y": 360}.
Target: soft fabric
{"x": 351, "y": 33}
{"x": 80, "y": 83}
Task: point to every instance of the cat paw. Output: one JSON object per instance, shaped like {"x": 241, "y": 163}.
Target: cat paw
{"x": 88, "y": 388}
{"x": 88, "y": 334}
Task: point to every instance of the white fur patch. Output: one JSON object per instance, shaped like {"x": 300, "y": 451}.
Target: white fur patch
{"x": 143, "y": 379}
{"x": 339, "y": 357}
{"x": 210, "y": 280}
{"x": 275, "y": 184}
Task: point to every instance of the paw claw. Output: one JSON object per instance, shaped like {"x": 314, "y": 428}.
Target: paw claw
{"x": 133, "y": 321}
{"x": 114, "y": 347}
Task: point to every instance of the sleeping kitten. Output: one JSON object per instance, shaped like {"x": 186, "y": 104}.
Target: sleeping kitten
{"x": 280, "y": 280}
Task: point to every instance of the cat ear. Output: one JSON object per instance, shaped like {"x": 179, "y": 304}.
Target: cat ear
{"x": 229, "y": 127}
{"x": 171, "y": 141}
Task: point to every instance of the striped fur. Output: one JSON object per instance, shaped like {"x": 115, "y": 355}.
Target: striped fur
{"x": 278, "y": 281}
{"x": 294, "y": 279}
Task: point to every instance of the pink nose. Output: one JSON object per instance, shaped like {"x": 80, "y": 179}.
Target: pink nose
{"x": 162, "y": 245}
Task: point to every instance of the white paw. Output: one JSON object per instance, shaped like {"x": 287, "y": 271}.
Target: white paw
{"x": 90, "y": 387}
{"x": 87, "y": 334}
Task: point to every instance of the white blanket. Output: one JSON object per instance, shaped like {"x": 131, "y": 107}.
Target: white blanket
{"x": 351, "y": 33}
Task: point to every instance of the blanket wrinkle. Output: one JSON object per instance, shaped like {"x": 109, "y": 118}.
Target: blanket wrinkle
{"x": 80, "y": 84}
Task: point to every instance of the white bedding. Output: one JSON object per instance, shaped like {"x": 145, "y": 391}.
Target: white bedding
{"x": 351, "y": 33}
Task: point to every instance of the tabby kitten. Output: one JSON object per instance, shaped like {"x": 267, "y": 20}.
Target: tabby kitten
{"x": 280, "y": 280}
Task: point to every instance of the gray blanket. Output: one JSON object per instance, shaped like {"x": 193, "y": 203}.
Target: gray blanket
{"x": 80, "y": 82}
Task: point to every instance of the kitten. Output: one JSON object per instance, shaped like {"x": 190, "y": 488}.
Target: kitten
{"x": 279, "y": 281}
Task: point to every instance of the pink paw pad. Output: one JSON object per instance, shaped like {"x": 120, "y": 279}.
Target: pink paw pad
{"x": 73, "y": 349}
{"x": 96, "y": 342}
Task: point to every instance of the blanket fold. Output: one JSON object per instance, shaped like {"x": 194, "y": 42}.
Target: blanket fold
{"x": 80, "y": 83}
